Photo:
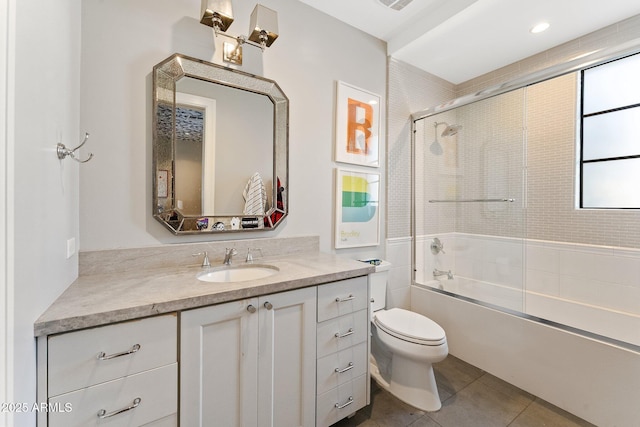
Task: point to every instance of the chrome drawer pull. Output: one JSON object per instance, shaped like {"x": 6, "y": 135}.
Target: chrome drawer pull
{"x": 346, "y": 334}
{"x": 344, "y": 405}
{"x": 103, "y": 414}
{"x": 349, "y": 298}
{"x": 103, "y": 356}
{"x": 349, "y": 367}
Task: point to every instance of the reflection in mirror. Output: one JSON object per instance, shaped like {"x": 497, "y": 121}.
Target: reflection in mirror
{"x": 237, "y": 143}
{"x": 220, "y": 148}
{"x": 191, "y": 153}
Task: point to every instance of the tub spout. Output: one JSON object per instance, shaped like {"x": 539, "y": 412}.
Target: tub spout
{"x": 438, "y": 273}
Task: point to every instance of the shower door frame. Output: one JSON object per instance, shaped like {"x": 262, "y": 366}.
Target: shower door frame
{"x": 579, "y": 63}
{"x": 592, "y": 59}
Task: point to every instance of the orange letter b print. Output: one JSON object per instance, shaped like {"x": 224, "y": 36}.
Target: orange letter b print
{"x": 360, "y": 116}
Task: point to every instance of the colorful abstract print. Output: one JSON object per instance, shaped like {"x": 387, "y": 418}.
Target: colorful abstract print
{"x": 358, "y": 204}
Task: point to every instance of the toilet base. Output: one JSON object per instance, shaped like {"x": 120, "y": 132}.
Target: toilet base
{"x": 413, "y": 383}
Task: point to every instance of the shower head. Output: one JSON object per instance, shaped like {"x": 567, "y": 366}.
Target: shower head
{"x": 451, "y": 130}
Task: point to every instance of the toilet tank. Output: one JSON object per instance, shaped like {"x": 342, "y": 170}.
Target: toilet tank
{"x": 378, "y": 285}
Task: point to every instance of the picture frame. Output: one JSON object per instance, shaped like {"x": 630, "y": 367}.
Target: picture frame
{"x": 357, "y": 138}
{"x": 357, "y": 208}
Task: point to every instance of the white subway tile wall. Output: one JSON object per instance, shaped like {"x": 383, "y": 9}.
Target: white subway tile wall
{"x": 563, "y": 256}
{"x": 551, "y": 165}
{"x": 521, "y": 145}
{"x": 409, "y": 90}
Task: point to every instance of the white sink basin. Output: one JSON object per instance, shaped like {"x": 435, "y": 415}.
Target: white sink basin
{"x": 238, "y": 273}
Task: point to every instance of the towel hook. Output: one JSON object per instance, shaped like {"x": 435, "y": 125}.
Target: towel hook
{"x": 63, "y": 151}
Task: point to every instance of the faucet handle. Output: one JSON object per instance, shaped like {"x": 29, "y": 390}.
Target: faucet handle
{"x": 250, "y": 255}
{"x": 437, "y": 246}
{"x": 205, "y": 261}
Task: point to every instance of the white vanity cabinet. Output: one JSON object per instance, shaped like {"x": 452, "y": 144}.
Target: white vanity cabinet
{"x": 343, "y": 343}
{"x": 118, "y": 375}
{"x": 250, "y": 362}
{"x": 284, "y": 353}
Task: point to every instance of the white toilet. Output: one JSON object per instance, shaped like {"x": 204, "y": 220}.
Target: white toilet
{"x": 404, "y": 346}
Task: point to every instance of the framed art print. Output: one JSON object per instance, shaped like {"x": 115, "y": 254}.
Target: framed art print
{"x": 357, "y": 209}
{"x": 357, "y": 126}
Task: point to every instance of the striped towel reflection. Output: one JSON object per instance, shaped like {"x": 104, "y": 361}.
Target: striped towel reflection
{"x": 255, "y": 196}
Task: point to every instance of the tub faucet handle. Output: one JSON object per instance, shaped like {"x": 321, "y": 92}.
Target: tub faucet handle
{"x": 437, "y": 246}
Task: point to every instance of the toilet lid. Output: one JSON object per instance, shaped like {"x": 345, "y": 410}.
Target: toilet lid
{"x": 411, "y": 325}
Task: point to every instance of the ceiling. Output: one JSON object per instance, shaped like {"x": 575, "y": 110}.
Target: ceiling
{"x": 458, "y": 40}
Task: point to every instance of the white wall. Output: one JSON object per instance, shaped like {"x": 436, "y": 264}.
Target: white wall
{"x": 40, "y": 45}
{"x": 42, "y": 108}
{"x": 123, "y": 40}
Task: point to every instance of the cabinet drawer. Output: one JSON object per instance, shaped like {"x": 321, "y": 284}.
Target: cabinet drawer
{"x": 73, "y": 357}
{"x": 343, "y": 297}
{"x": 157, "y": 390}
{"x": 339, "y": 368}
{"x": 341, "y": 401}
{"x": 342, "y": 332}
{"x": 170, "y": 421}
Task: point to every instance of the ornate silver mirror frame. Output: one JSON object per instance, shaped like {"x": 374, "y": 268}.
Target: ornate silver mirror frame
{"x": 166, "y": 209}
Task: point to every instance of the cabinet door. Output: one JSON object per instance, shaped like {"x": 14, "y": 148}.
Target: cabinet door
{"x": 287, "y": 362}
{"x": 218, "y": 365}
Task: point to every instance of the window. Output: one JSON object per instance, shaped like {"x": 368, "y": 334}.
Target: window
{"x": 610, "y": 135}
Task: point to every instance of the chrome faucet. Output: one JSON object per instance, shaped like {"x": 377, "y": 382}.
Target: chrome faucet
{"x": 437, "y": 273}
{"x": 205, "y": 260}
{"x": 228, "y": 254}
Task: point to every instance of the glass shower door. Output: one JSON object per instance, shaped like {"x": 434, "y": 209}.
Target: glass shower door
{"x": 469, "y": 216}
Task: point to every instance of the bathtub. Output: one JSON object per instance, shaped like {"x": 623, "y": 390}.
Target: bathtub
{"x": 540, "y": 315}
{"x": 594, "y": 377}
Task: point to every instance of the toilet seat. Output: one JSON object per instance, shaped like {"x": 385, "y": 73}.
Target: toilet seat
{"x": 409, "y": 326}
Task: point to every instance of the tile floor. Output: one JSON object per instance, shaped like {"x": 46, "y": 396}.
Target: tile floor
{"x": 470, "y": 398}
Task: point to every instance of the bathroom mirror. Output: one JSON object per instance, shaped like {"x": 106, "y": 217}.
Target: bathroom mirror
{"x": 220, "y": 148}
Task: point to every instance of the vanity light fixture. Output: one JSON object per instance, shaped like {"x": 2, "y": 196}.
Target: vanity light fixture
{"x": 540, "y": 27}
{"x": 263, "y": 28}
{"x": 217, "y": 14}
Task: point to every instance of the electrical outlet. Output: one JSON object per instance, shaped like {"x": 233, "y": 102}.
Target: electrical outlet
{"x": 71, "y": 247}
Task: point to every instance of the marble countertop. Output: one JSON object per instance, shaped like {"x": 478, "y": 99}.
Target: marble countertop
{"x": 100, "y": 299}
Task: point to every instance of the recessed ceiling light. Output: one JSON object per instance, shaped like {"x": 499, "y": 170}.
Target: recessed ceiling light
{"x": 538, "y": 28}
